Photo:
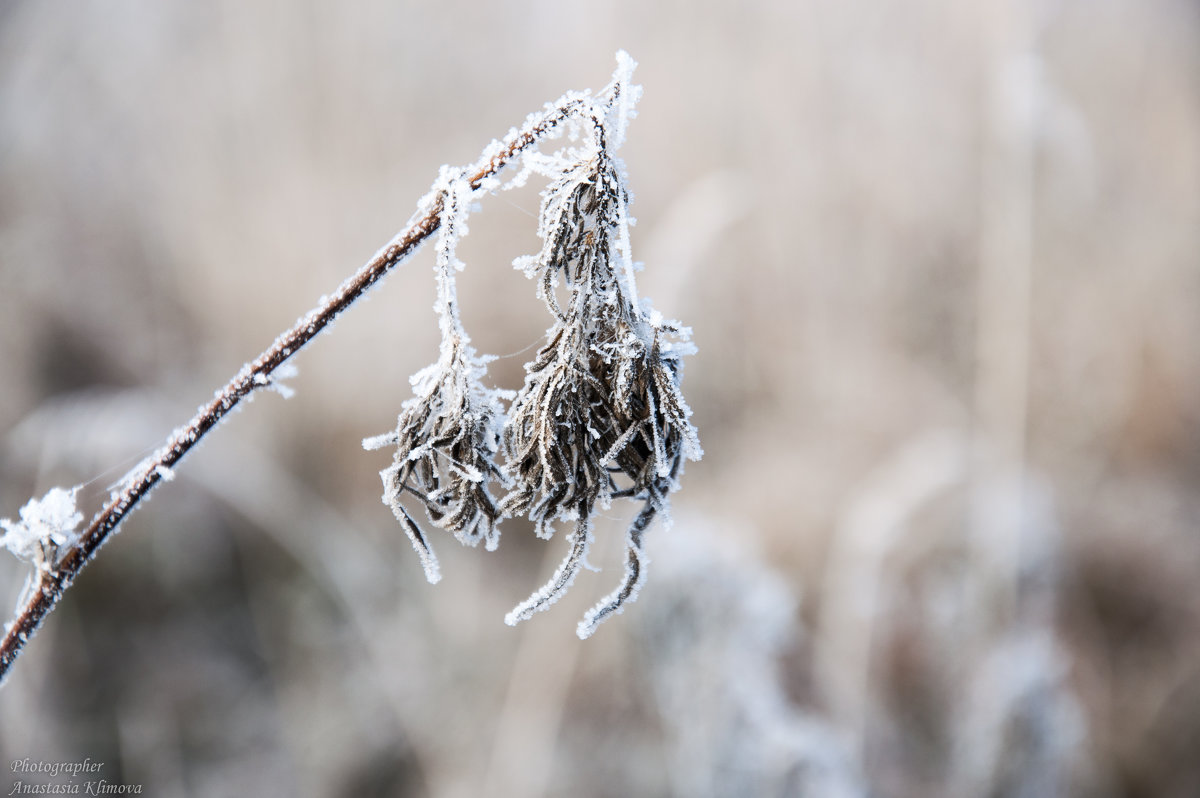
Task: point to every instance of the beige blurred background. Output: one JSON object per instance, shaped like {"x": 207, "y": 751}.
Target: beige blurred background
{"x": 942, "y": 261}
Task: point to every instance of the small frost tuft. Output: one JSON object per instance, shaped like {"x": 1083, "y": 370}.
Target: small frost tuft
{"x": 46, "y": 526}
{"x": 274, "y": 381}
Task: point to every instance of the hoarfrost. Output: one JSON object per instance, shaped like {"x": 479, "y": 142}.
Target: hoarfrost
{"x": 380, "y": 441}
{"x": 47, "y": 525}
{"x": 562, "y": 580}
{"x": 274, "y": 381}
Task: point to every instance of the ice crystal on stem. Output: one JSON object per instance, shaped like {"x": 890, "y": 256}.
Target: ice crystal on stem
{"x": 47, "y": 525}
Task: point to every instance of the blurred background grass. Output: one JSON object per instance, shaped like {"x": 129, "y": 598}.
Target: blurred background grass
{"x": 942, "y": 261}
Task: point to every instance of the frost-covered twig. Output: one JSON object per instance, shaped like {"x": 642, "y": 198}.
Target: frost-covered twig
{"x": 59, "y": 554}
{"x": 601, "y": 400}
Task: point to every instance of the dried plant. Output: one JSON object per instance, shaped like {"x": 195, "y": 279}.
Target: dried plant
{"x": 447, "y": 437}
{"x": 600, "y": 415}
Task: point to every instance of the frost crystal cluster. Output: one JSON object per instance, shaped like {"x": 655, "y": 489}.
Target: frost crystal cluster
{"x": 47, "y": 525}
{"x": 600, "y": 415}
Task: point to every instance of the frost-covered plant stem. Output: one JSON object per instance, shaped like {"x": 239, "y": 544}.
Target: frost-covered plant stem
{"x": 57, "y": 569}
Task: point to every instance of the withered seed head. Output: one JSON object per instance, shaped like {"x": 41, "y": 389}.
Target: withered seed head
{"x": 600, "y": 415}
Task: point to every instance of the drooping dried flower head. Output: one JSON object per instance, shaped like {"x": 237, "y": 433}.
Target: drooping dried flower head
{"x": 600, "y": 415}
{"x": 446, "y": 437}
